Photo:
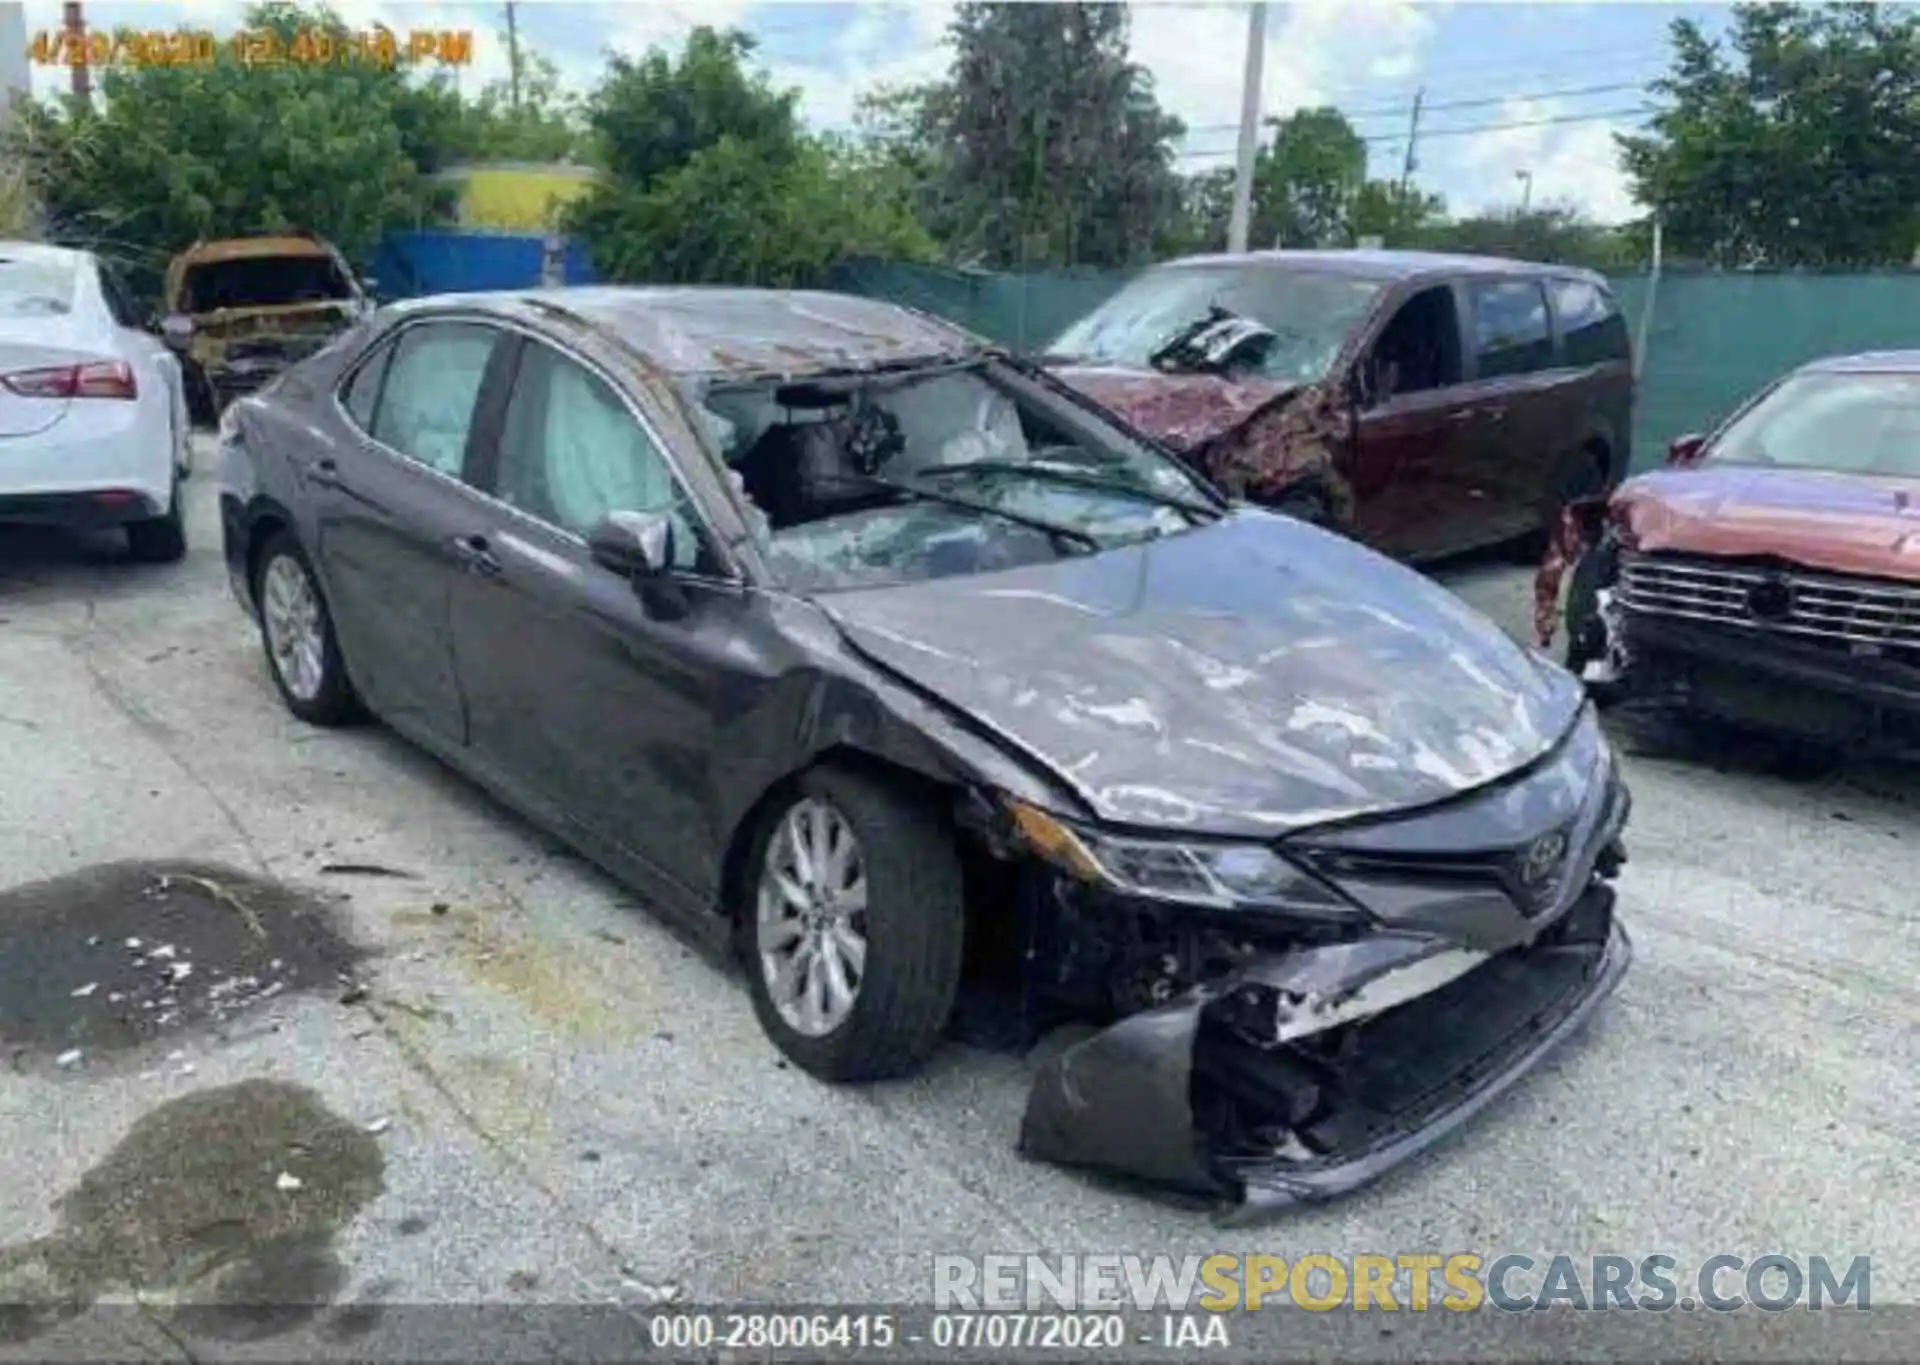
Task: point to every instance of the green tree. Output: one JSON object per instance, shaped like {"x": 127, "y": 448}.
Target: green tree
{"x": 1558, "y": 234}
{"x": 544, "y": 124}
{"x": 1306, "y": 179}
{"x": 1045, "y": 144}
{"x": 1397, "y": 215}
{"x": 711, "y": 179}
{"x": 174, "y": 153}
{"x": 1795, "y": 143}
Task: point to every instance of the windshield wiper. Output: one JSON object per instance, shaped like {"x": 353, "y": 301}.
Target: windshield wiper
{"x": 1074, "y": 479}
{"x": 987, "y": 509}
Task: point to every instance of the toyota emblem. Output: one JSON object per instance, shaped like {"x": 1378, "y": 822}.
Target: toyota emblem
{"x": 1540, "y": 862}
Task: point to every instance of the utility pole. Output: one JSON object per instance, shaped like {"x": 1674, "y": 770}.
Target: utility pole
{"x": 82, "y": 74}
{"x": 1526, "y": 190}
{"x": 1242, "y": 220}
{"x": 513, "y": 56}
{"x": 1412, "y": 163}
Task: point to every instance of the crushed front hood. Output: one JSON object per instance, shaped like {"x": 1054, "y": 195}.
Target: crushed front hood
{"x": 1248, "y": 678}
{"x": 1184, "y": 410}
{"x": 1854, "y": 524}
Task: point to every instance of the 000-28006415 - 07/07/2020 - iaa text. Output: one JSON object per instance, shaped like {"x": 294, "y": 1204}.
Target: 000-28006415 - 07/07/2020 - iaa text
{"x": 250, "y": 47}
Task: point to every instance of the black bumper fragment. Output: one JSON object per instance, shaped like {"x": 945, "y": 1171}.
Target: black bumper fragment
{"x": 1164, "y": 1096}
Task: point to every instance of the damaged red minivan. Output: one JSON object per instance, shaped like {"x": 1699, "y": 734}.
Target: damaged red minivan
{"x": 1425, "y": 404}
{"x": 1770, "y": 575}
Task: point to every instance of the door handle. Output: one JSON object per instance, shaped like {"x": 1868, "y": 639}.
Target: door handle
{"x": 324, "y": 473}
{"x": 477, "y": 556}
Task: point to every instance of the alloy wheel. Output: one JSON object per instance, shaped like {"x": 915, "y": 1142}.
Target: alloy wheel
{"x": 811, "y": 918}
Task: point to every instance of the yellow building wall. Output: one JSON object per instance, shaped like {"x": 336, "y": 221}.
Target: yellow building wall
{"x": 515, "y": 200}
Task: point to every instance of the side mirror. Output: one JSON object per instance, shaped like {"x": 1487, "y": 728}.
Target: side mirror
{"x": 1685, "y": 449}
{"x": 177, "y": 330}
{"x": 633, "y": 544}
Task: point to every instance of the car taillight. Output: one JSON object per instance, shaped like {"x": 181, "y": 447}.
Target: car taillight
{"x": 97, "y": 379}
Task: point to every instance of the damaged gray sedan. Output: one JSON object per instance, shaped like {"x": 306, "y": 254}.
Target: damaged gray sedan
{"x": 953, "y": 704}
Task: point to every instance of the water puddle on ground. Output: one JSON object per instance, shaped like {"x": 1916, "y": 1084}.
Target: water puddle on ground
{"x": 218, "y": 1209}
{"x": 113, "y": 957}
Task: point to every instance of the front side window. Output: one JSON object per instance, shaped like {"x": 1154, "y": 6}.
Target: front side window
{"x": 432, "y": 384}
{"x": 1310, "y": 315}
{"x": 1843, "y": 423}
{"x": 1510, "y": 327}
{"x": 571, "y": 452}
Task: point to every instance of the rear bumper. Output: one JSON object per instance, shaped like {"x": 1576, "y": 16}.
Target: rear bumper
{"x": 98, "y": 510}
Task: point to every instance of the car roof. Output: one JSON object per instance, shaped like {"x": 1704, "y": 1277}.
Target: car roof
{"x": 225, "y": 249}
{"x": 723, "y": 331}
{"x": 1866, "y": 362}
{"x": 1384, "y": 265}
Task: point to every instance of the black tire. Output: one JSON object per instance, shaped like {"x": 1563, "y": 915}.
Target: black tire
{"x": 334, "y": 702}
{"x": 161, "y": 539}
{"x": 914, "y": 923}
{"x": 202, "y": 406}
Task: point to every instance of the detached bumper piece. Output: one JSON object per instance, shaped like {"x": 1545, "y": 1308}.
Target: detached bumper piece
{"x": 1309, "y": 1073}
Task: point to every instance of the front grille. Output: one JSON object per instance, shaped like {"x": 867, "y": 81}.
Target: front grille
{"x": 1863, "y": 614}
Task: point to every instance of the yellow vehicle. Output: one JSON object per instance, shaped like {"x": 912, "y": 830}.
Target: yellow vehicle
{"x": 242, "y": 309}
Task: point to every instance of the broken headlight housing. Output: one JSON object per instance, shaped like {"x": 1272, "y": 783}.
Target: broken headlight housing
{"x": 1210, "y": 874}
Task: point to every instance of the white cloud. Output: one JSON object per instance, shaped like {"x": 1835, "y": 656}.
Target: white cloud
{"x": 1571, "y": 163}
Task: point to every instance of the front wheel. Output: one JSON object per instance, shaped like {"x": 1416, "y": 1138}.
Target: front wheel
{"x": 854, "y": 927}
{"x": 297, "y": 632}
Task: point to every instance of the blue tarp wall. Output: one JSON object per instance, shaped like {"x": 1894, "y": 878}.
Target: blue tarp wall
{"x": 452, "y": 262}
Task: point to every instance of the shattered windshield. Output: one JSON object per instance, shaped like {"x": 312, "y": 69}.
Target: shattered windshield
{"x": 1309, "y": 314}
{"x": 957, "y": 470}
{"x": 1842, "y": 423}
{"x": 35, "y": 285}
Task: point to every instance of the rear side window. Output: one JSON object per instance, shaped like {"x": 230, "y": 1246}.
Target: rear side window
{"x": 364, "y": 388}
{"x": 427, "y": 402}
{"x": 1592, "y": 330}
{"x": 1510, "y": 328}
{"x": 35, "y": 285}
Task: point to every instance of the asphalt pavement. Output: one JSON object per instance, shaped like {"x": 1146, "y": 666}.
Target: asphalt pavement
{"x": 494, "y": 1077}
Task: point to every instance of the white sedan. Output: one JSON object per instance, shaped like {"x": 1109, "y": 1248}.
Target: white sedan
{"x": 93, "y": 419}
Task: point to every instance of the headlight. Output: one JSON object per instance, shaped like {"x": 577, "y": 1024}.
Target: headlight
{"x": 1218, "y": 875}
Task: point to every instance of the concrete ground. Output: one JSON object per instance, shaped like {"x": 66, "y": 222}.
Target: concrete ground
{"x": 531, "y": 1091}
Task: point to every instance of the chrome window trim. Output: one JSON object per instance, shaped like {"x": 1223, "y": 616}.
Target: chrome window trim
{"x": 392, "y": 336}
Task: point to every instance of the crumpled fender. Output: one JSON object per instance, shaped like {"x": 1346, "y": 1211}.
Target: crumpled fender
{"x": 1121, "y": 1101}
{"x": 1286, "y": 445}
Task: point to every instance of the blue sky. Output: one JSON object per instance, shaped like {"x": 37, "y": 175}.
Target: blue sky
{"x": 1570, "y": 75}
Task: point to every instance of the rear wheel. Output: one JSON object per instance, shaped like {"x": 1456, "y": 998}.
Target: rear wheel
{"x": 297, "y": 632}
{"x": 854, "y": 926}
{"x": 161, "y": 539}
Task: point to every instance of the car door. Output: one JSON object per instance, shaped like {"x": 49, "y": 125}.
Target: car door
{"x": 392, "y": 511}
{"x": 592, "y": 695}
{"x": 1511, "y": 439}
{"x": 1409, "y": 498}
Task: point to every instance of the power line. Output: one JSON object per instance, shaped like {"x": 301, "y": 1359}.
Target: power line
{"x": 1472, "y": 129}
{"x": 1402, "y": 109}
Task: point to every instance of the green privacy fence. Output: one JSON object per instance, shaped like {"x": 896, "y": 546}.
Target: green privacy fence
{"x": 1714, "y": 337}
